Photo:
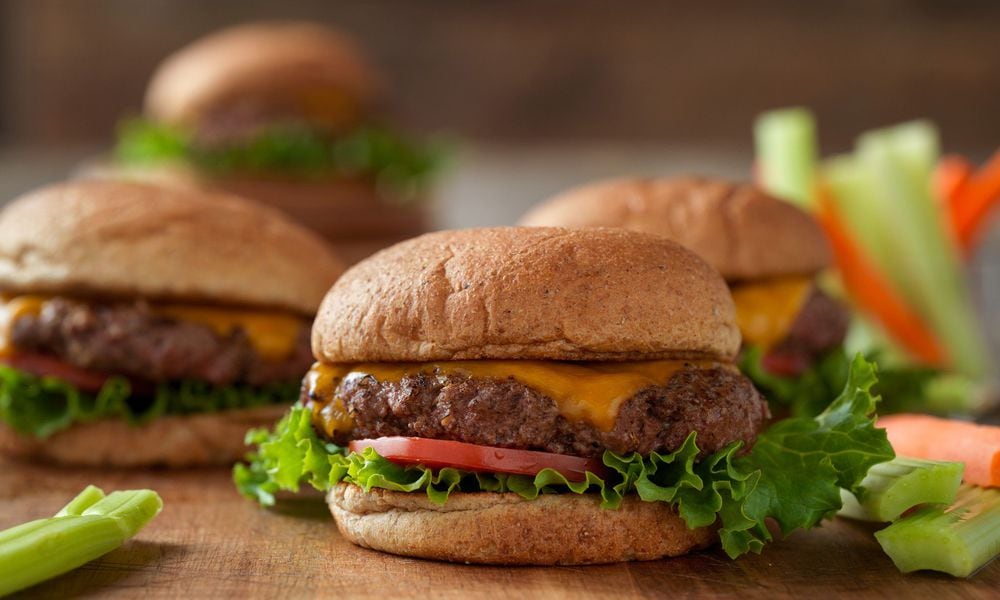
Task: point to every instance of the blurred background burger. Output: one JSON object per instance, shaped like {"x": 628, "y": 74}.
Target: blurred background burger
{"x": 144, "y": 325}
{"x": 769, "y": 252}
{"x": 286, "y": 113}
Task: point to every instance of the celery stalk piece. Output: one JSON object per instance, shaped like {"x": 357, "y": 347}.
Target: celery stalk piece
{"x": 900, "y": 160}
{"x": 894, "y": 487}
{"x": 883, "y": 192}
{"x": 957, "y": 540}
{"x": 90, "y": 526}
{"x": 786, "y": 154}
{"x": 851, "y": 189}
{"x": 90, "y": 496}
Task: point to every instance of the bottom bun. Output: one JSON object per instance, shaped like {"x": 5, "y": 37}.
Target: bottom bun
{"x": 173, "y": 441}
{"x": 505, "y": 529}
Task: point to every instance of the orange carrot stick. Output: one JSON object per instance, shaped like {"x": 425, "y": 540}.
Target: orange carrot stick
{"x": 951, "y": 179}
{"x": 922, "y": 436}
{"x": 977, "y": 199}
{"x": 872, "y": 292}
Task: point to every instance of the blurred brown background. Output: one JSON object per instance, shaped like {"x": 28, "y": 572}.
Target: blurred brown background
{"x": 549, "y": 71}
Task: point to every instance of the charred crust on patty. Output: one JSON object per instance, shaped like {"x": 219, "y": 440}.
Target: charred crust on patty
{"x": 130, "y": 339}
{"x": 721, "y": 406}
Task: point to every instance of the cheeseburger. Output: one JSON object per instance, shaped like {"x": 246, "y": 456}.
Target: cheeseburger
{"x": 286, "y": 113}
{"x": 145, "y": 325}
{"x": 770, "y": 253}
{"x": 545, "y": 396}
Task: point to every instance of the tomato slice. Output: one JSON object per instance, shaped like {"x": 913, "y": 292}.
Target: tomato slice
{"x": 437, "y": 454}
{"x": 47, "y": 366}
{"x": 785, "y": 364}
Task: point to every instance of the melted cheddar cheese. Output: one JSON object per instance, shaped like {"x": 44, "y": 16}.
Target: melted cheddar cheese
{"x": 12, "y": 309}
{"x": 590, "y": 392}
{"x": 272, "y": 334}
{"x": 766, "y": 311}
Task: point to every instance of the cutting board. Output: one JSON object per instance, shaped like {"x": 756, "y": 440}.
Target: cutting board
{"x": 210, "y": 542}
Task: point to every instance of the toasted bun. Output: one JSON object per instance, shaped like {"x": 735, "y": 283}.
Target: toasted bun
{"x": 302, "y": 69}
{"x": 737, "y": 228}
{"x": 137, "y": 240}
{"x": 180, "y": 441}
{"x": 505, "y": 529}
{"x": 528, "y": 293}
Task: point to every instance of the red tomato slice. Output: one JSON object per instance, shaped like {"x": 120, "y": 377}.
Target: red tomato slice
{"x": 785, "y": 365}
{"x": 438, "y": 454}
{"x": 47, "y": 366}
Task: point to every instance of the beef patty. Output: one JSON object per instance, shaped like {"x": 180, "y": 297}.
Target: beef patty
{"x": 130, "y": 339}
{"x": 820, "y": 326}
{"x": 719, "y": 404}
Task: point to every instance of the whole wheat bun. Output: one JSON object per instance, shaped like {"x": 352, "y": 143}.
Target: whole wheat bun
{"x": 528, "y": 293}
{"x": 122, "y": 239}
{"x": 741, "y": 231}
{"x": 350, "y": 214}
{"x": 284, "y": 66}
{"x": 172, "y": 440}
{"x": 505, "y": 529}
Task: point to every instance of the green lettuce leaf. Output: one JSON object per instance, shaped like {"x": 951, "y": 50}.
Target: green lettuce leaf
{"x": 803, "y": 396}
{"x": 41, "y": 406}
{"x": 803, "y": 463}
{"x": 369, "y": 151}
{"x": 793, "y": 474}
{"x": 902, "y": 387}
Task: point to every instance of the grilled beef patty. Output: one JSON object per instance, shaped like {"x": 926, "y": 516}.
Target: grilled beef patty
{"x": 719, "y": 404}
{"x": 129, "y": 339}
{"x": 820, "y": 326}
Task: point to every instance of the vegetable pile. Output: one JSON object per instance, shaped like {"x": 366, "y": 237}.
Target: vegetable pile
{"x": 899, "y": 219}
{"x": 793, "y": 474}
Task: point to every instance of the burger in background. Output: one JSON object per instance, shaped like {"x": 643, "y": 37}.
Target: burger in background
{"x": 769, "y": 252}
{"x": 144, "y": 325}
{"x": 285, "y": 113}
{"x": 550, "y": 396}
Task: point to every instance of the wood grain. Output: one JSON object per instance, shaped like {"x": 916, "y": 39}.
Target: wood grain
{"x": 209, "y": 542}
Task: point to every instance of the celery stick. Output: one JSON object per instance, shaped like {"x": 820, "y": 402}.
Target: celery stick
{"x": 786, "y": 154}
{"x": 90, "y": 496}
{"x": 852, "y": 191}
{"x": 883, "y": 192}
{"x": 900, "y": 161}
{"x": 90, "y": 526}
{"x": 892, "y": 488}
{"x": 957, "y": 540}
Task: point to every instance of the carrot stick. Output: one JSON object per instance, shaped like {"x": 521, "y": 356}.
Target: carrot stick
{"x": 872, "y": 292}
{"x": 977, "y": 199}
{"x": 951, "y": 179}
{"x": 922, "y": 436}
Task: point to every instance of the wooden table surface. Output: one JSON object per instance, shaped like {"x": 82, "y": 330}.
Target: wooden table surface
{"x": 210, "y": 542}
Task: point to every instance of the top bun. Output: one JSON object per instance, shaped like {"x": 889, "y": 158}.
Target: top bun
{"x": 297, "y": 69}
{"x": 741, "y": 231}
{"x": 137, "y": 240}
{"x": 528, "y": 293}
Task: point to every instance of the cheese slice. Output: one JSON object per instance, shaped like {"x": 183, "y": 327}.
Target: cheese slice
{"x": 272, "y": 334}
{"x": 766, "y": 311}
{"x": 590, "y": 392}
{"x": 12, "y": 309}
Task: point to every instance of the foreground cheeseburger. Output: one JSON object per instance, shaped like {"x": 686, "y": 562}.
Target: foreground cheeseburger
{"x": 538, "y": 396}
{"x": 769, "y": 252}
{"x": 285, "y": 113}
{"x": 145, "y": 326}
